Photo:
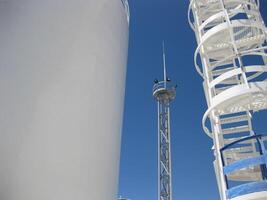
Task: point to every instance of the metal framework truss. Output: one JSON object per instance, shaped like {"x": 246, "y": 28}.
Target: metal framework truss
{"x": 231, "y": 57}
{"x": 164, "y": 93}
{"x": 164, "y": 151}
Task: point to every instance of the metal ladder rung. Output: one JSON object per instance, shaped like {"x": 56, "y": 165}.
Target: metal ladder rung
{"x": 231, "y": 140}
{"x": 226, "y": 62}
{"x": 221, "y": 89}
{"x": 232, "y": 80}
{"x": 238, "y": 129}
{"x": 234, "y": 119}
{"x": 240, "y": 150}
{"x": 219, "y": 72}
{"x": 240, "y": 156}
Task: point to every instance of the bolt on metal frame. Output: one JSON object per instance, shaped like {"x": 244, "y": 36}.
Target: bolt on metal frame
{"x": 231, "y": 37}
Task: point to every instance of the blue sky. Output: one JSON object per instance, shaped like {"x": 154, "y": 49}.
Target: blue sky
{"x": 193, "y": 176}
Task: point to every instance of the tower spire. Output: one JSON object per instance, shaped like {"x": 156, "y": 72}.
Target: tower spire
{"x": 164, "y": 62}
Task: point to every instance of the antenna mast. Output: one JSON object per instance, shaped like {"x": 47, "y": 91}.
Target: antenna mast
{"x": 164, "y": 62}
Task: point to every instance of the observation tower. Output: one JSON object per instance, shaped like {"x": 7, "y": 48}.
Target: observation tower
{"x": 164, "y": 92}
{"x": 231, "y": 57}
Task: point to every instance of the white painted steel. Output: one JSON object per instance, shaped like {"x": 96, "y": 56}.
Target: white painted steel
{"x": 231, "y": 57}
{"x": 62, "y": 78}
{"x": 255, "y": 196}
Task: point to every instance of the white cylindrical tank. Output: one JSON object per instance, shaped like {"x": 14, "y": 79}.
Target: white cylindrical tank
{"x": 62, "y": 81}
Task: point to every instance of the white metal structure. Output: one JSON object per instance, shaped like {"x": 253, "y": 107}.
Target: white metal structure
{"x": 231, "y": 38}
{"x": 62, "y": 77}
{"x": 164, "y": 92}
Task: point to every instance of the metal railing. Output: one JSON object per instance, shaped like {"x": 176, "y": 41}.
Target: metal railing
{"x": 166, "y": 85}
{"x": 260, "y": 160}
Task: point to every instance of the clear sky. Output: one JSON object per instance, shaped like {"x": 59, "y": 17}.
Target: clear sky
{"x": 193, "y": 176}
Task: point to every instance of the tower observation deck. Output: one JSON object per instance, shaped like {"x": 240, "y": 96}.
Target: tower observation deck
{"x": 164, "y": 92}
{"x": 231, "y": 57}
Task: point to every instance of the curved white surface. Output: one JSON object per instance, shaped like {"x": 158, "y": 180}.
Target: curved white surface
{"x": 254, "y": 196}
{"x": 234, "y": 72}
{"x": 238, "y": 98}
{"x": 62, "y": 77}
{"x": 242, "y": 97}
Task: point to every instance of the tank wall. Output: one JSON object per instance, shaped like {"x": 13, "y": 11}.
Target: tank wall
{"x": 62, "y": 77}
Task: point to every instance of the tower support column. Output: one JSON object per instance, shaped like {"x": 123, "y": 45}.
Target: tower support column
{"x": 164, "y": 92}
